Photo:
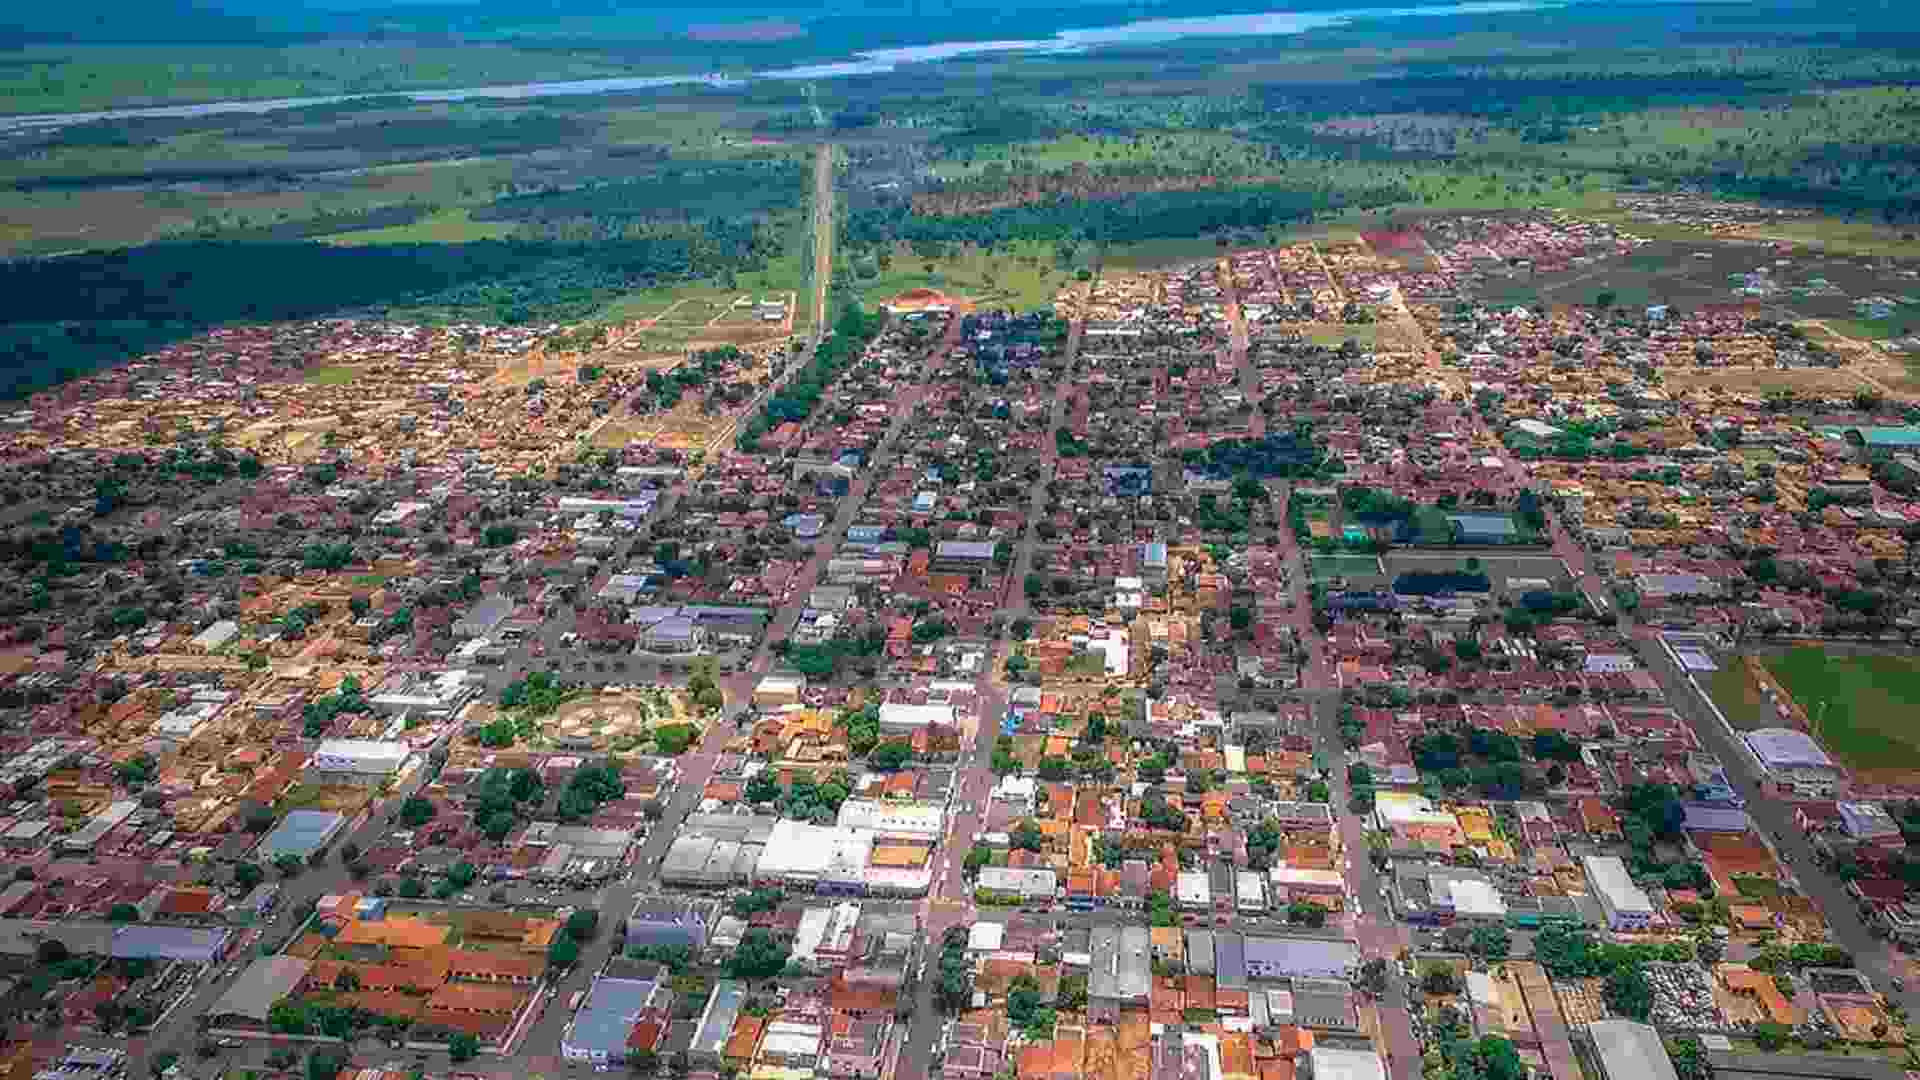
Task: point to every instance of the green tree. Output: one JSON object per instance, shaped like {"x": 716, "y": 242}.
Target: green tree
{"x": 759, "y": 955}
{"x": 562, "y": 953}
{"x": 462, "y": 1047}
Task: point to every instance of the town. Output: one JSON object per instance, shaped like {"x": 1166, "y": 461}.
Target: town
{"x": 1307, "y": 662}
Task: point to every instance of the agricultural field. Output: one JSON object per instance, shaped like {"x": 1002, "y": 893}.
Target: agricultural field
{"x": 1859, "y": 704}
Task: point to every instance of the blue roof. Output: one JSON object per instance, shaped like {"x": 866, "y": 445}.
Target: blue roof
{"x": 607, "y": 1017}
{"x": 301, "y": 833}
{"x": 1889, "y": 436}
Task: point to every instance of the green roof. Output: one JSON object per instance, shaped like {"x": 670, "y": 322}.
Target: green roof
{"x": 1883, "y": 436}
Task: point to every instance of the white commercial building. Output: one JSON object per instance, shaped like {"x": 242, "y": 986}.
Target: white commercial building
{"x": 823, "y": 857}
{"x": 1626, "y": 905}
{"x": 360, "y": 762}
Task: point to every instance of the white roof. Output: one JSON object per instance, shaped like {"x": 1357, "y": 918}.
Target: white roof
{"x": 797, "y": 849}
{"x": 1472, "y": 897}
{"x": 787, "y": 1038}
{"x": 218, "y": 634}
{"x": 1609, "y": 877}
{"x": 1192, "y": 885}
{"x": 371, "y": 754}
{"x": 1785, "y": 748}
{"x": 901, "y": 817}
{"x": 899, "y": 714}
{"x": 986, "y": 936}
{"x": 1299, "y": 875}
{"x": 1016, "y": 788}
{"x": 1331, "y": 1064}
{"x": 1405, "y": 808}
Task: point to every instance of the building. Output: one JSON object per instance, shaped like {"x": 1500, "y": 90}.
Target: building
{"x": 962, "y": 556}
{"x": 716, "y": 1024}
{"x": 901, "y": 719}
{"x": 99, "y": 826}
{"x": 484, "y": 617}
{"x": 1121, "y": 973}
{"x": 1794, "y": 764}
{"x": 1192, "y": 892}
{"x": 1328, "y": 1063}
{"x": 215, "y": 637}
{"x": 1299, "y": 958}
{"x": 825, "y": 858}
{"x": 599, "y": 1031}
{"x": 1625, "y": 904}
{"x": 925, "y": 820}
{"x": 1250, "y": 893}
{"x": 825, "y": 939}
{"x": 356, "y": 762}
{"x": 789, "y": 1045}
{"x": 668, "y": 923}
{"x": 776, "y": 691}
{"x": 251, "y": 997}
{"x": 1631, "y": 1051}
{"x": 300, "y": 834}
{"x": 1027, "y": 883}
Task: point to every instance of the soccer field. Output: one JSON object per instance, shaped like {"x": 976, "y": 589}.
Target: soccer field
{"x": 1861, "y": 706}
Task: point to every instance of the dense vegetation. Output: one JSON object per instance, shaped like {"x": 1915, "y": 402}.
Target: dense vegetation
{"x": 60, "y": 318}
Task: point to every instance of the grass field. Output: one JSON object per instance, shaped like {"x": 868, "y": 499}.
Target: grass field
{"x": 1738, "y": 698}
{"x": 332, "y": 376}
{"x": 454, "y": 226}
{"x": 1022, "y": 277}
{"x": 1326, "y": 567}
{"x": 1861, "y": 705}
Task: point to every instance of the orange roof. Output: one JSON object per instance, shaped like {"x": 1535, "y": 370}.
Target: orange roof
{"x": 479, "y": 997}
{"x": 398, "y": 933}
{"x": 899, "y": 856}
{"x": 1236, "y": 1055}
{"x": 496, "y": 963}
{"x": 746, "y": 1037}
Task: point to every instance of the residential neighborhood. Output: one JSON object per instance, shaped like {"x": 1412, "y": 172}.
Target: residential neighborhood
{"x": 1295, "y": 663}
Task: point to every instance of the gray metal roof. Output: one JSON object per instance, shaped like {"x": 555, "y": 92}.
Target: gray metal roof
{"x": 1122, "y": 967}
{"x": 266, "y": 980}
{"x": 1630, "y": 1051}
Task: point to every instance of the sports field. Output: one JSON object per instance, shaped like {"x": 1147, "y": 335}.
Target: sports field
{"x": 1861, "y": 706}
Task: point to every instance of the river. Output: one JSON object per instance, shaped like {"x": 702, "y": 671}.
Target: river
{"x": 875, "y": 62}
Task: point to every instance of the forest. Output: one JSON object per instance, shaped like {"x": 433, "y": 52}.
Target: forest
{"x": 1149, "y": 216}
{"x": 60, "y": 318}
